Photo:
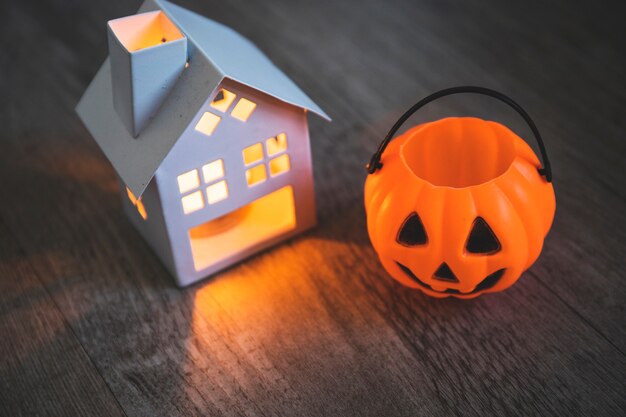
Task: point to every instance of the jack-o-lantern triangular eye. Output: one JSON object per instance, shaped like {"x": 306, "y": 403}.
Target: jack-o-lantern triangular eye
{"x": 412, "y": 232}
{"x": 481, "y": 239}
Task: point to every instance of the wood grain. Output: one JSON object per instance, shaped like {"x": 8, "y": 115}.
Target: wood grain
{"x": 91, "y": 323}
{"x": 44, "y": 370}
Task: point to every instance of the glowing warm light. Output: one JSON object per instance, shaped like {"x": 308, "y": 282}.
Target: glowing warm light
{"x": 253, "y": 154}
{"x": 276, "y": 145}
{"x": 131, "y": 196}
{"x": 213, "y": 171}
{"x": 256, "y": 175}
{"x": 263, "y": 219}
{"x": 243, "y": 109}
{"x": 279, "y": 165}
{"x": 141, "y": 209}
{"x": 188, "y": 181}
{"x": 223, "y": 99}
{"x": 207, "y": 124}
{"x": 144, "y": 30}
{"x": 220, "y": 224}
{"x": 192, "y": 202}
{"x": 217, "y": 192}
{"x": 137, "y": 203}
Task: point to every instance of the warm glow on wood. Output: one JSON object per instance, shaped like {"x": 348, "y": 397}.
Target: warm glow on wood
{"x": 253, "y": 154}
{"x": 144, "y": 30}
{"x": 207, "y": 124}
{"x": 213, "y": 171}
{"x": 256, "y": 175}
{"x": 223, "y": 99}
{"x": 188, "y": 181}
{"x": 276, "y": 145}
{"x": 279, "y": 165}
{"x": 192, "y": 202}
{"x": 217, "y": 192}
{"x": 243, "y": 109}
{"x": 263, "y": 219}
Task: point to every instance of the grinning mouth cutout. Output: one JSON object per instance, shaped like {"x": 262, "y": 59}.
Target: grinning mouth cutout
{"x": 488, "y": 282}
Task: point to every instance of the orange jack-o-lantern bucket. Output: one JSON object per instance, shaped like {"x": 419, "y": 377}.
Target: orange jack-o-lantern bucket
{"x": 459, "y": 206}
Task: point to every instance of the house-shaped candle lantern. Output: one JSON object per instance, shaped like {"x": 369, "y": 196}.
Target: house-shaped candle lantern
{"x": 209, "y": 139}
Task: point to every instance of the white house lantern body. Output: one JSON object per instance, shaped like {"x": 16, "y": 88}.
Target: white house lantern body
{"x": 222, "y": 167}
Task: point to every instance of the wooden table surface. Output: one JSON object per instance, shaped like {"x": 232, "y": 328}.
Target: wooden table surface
{"x": 92, "y": 324}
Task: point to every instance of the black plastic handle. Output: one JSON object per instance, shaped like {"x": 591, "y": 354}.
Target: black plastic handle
{"x": 545, "y": 171}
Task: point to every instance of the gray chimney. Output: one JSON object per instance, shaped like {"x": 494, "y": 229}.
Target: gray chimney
{"x": 147, "y": 53}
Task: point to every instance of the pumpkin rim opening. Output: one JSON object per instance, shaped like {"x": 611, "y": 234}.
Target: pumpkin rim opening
{"x": 459, "y": 152}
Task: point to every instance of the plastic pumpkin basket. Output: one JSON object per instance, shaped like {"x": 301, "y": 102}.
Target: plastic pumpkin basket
{"x": 459, "y": 206}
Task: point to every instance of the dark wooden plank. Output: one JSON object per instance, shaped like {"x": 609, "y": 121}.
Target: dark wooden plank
{"x": 43, "y": 367}
{"x": 315, "y": 327}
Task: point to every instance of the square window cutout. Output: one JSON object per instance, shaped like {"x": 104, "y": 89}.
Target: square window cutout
{"x": 253, "y": 154}
{"x": 207, "y": 124}
{"x": 192, "y": 202}
{"x": 188, "y": 181}
{"x": 213, "y": 170}
{"x": 276, "y": 145}
{"x": 279, "y": 165}
{"x": 223, "y": 99}
{"x": 256, "y": 175}
{"x": 217, "y": 192}
{"x": 243, "y": 109}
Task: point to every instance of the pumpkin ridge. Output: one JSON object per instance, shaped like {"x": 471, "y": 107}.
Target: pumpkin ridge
{"x": 542, "y": 204}
{"x": 513, "y": 209}
{"x": 371, "y": 191}
{"x": 475, "y": 213}
{"x": 534, "y": 224}
{"x": 381, "y": 214}
{"x": 415, "y": 200}
{"x": 424, "y": 145}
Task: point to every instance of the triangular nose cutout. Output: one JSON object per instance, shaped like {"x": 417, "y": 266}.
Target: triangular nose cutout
{"x": 444, "y": 273}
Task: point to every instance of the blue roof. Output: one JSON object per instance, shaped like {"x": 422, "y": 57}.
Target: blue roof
{"x": 237, "y": 58}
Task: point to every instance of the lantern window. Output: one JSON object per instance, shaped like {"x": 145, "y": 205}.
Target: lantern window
{"x": 253, "y": 154}
{"x": 271, "y": 215}
{"x": 276, "y": 165}
{"x": 276, "y": 145}
{"x": 223, "y": 99}
{"x": 188, "y": 181}
{"x": 192, "y": 202}
{"x": 217, "y": 192}
{"x": 213, "y": 171}
{"x": 256, "y": 175}
{"x": 208, "y": 122}
{"x": 279, "y": 165}
{"x": 243, "y": 109}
